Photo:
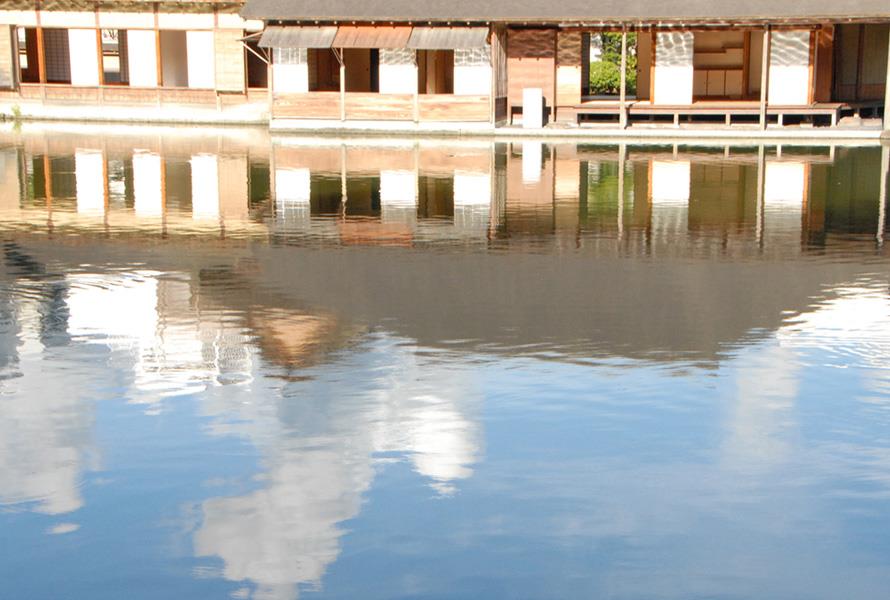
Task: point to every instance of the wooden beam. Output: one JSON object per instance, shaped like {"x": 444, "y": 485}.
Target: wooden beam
{"x": 764, "y": 75}
{"x": 622, "y": 114}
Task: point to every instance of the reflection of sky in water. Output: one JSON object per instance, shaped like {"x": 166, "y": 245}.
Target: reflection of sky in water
{"x": 391, "y": 469}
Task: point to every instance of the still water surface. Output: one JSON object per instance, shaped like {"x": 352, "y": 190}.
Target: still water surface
{"x": 232, "y": 367}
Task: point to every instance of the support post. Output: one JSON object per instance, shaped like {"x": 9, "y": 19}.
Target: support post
{"x": 339, "y": 55}
{"x": 622, "y": 104}
{"x": 764, "y": 75}
{"x": 887, "y": 93}
{"x": 41, "y": 55}
{"x": 416, "y": 99}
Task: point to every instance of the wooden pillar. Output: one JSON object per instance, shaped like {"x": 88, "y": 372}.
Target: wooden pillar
{"x": 887, "y": 92}
{"x": 622, "y": 104}
{"x": 416, "y": 98}
{"x": 764, "y": 75}
{"x": 41, "y": 54}
{"x": 338, "y": 52}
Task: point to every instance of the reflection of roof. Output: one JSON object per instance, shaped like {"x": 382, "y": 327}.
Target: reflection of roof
{"x": 595, "y": 302}
{"x": 523, "y": 10}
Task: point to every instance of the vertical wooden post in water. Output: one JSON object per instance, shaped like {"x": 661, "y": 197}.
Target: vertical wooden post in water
{"x": 622, "y": 157}
{"x": 882, "y": 197}
{"x": 622, "y": 108}
{"x": 764, "y": 75}
{"x": 761, "y": 182}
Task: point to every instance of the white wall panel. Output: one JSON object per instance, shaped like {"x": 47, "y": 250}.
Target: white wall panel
{"x": 83, "y": 52}
{"x": 789, "y": 68}
{"x": 22, "y": 18}
{"x": 53, "y": 18}
{"x": 142, "y": 61}
{"x": 123, "y": 20}
{"x": 201, "y": 60}
{"x": 673, "y": 68}
{"x": 472, "y": 80}
{"x": 398, "y": 72}
{"x": 182, "y": 21}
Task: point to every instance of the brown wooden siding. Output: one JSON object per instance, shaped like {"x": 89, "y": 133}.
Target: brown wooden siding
{"x": 568, "y": 68}
{"x": 312, "y": 105}
{"x": 446, "y": 107}
{"x": 393, "y": 107}
{"x": 531, "y": 63}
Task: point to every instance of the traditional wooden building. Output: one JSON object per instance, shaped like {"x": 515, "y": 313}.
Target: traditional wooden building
{"x": 161, "y": 61}
{"x": 477, "y": 65}
{"x": 475, "y": 61}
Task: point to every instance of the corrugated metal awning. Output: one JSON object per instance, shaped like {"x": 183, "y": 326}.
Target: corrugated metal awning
{"x": 448, "y": 38}
{"x": 372, "y": 36}
{"x": 298, "y": 37}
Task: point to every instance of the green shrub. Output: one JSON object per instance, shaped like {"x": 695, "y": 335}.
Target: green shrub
{"x": 605, "y": 75}
{"x": 605, "y": 78}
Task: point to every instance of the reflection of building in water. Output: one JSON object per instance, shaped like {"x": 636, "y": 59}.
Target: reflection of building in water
{"x": 46, "y": 441}
{"x": 119, "y": 186}
{"x": 173, "y": 348}
{"x": 389, "y": 193}
{"x": 716, "y": 200}
{"x": 319, "y": 441}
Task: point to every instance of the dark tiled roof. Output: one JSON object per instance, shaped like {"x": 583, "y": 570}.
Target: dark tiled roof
{"x": 565, "y": 10}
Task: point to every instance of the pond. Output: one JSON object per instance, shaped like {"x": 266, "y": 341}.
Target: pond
{"x": 236, "y": 366}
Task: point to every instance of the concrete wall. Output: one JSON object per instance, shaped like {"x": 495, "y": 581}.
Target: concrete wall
{"x": 142, "y": 58}
{"x": 673, "y": 67}
{"x": 201, "y": 59}
{"x": 398, "y": 73}
{"x": 789, "y": 74}
{"x": 83, "y": 52}
{"x": 472, "y": 72}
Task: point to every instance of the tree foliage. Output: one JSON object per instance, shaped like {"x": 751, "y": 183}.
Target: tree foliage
{"x": 605, "y": 74}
